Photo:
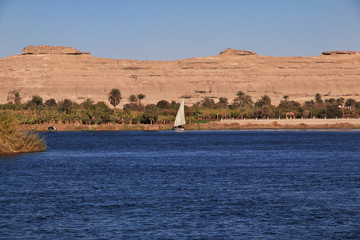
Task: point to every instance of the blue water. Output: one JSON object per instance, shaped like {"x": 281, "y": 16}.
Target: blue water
{"x": 191, "y": 185}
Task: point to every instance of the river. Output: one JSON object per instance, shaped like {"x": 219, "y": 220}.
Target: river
{"x": 187, "y": 185}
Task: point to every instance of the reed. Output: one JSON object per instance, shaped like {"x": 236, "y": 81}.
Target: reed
{"x": 14, "y": 141}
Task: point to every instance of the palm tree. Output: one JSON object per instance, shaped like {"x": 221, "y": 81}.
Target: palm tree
{"x": 264, "y": 101}
{"x": 66, "y": 106}
{"x": 243, "y": 100}
{"x": 133, "y": 98}
{"x": 223, "y": 102}
{"x": 14, "y": 96}
{"x": 318, "y": 98}
{"x": 87, "y": 104}
{"x": 37, "y": 101}
{"x": 114, "y": 97}
{"x": 140, "y": 96}
{"x": 50, "y": 102}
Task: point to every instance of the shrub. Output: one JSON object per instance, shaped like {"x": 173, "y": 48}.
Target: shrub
{"x": 12, "y": 141}
{"x": 163, "y": 104}
{"x": 150, "y": 114}
{"x": 208, "y": 103}
{"x": 50, "y": 102}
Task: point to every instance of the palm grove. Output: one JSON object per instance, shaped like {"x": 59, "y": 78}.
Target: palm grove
{"x": 38, "y": 111}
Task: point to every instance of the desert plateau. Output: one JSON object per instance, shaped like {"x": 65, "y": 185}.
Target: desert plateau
{"x": 65, "y": 72}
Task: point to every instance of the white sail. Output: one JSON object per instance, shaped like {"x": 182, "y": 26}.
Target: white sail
{"x": 180, "y": 116}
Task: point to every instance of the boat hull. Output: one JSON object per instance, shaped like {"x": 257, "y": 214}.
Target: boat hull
{"x": 51, "y": 129}
{"x": 178, "y": 129}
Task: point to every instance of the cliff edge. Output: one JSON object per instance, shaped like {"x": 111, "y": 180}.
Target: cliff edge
{"x": 45, "y": 49}
{"x": 230, "y": 51}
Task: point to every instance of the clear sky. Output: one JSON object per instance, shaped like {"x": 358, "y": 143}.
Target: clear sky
{"x": 178, "y": 29}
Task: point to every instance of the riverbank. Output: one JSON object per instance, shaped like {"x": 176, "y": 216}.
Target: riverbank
{"x": 315, "y": 123}
{"x": 214, "y": 125}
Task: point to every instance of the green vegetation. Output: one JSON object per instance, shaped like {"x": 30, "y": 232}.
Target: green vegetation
{"x": 12, "y": 141}
{"x": 140, "y": 97}
{"x": 36, "y": 111}
{"x": 150, "y": 114}
{"x": 115, "y": 97}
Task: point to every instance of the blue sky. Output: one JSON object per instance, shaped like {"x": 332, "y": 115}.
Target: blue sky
{"x": 178, "y": 29}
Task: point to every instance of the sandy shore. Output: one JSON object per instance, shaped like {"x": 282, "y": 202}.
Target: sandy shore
{"x": 214, "y": 125}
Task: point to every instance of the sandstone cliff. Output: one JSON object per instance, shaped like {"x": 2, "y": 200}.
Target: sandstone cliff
{"x": 58, "y": 72}
{"x": 44, "y": 49}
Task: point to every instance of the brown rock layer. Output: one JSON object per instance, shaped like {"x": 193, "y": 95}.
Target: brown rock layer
{"x": 230, "y": 51}
{"x": 44, "y": 49}
{"x": 340, "y": 52}
{"x": 77, "y": 77}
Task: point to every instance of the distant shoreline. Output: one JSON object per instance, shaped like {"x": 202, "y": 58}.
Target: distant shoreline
{"x": 228, "y": 124}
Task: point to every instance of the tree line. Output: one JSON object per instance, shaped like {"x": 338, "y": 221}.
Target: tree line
{"x": 37, "y": 110}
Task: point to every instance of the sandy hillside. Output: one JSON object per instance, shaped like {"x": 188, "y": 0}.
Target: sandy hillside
{"x": 62, "y": 72}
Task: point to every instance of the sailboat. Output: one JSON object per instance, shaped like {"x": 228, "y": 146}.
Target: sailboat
{"x": 180, "y": 118}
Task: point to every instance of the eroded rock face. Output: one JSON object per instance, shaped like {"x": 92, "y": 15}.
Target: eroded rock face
{"x": 230, "y": 51}
{"x": 64, "y": 74}
{"x": 44, "y": 49}
{"x": 339, "y": 52}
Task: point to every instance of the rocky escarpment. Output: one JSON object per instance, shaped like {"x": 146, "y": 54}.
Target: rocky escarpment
{"x": 230, "y": 51}
{"x": 44, "y": 49}
{"x": 59, "y": 72}
{"x": 340, "y": 52}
